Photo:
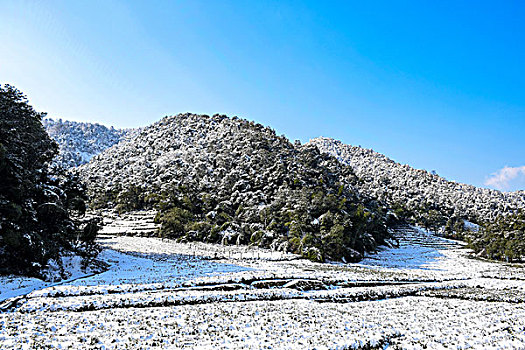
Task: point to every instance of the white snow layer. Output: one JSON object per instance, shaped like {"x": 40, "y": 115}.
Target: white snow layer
{"x": 427, "y": 293}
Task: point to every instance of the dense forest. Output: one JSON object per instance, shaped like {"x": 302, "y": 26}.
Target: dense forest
{"x": 502, "y": 239}
{"x": 483, "y": 217}
{"x": 219, "y": 179}
{"x": 41, "y": 208}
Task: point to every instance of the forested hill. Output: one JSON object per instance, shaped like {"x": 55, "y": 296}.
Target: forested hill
{"x": 220, "y": 179}
{"x": 426, "y": 195}
{"x": 79, "y": 142}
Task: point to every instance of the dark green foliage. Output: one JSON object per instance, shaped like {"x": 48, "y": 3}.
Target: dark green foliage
{"x": 503, "y": 239}
{"x": 455, "y": 229}
{"x": 39, "y": 213}
{"x": 105, "y": 199}
{"x": 174, "y": 222}
{"x": 132, "y": 198}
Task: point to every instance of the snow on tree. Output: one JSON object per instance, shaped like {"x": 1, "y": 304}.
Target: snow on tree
{"x": 229, "y": 180}
{"x": 79, "y": 142}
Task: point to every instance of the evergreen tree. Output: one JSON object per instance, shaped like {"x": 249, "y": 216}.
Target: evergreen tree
{"x": 40, "y": 214}
{"x": 503, "y": 239}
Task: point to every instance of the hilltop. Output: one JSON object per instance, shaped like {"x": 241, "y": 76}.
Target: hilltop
{"x": 422, "y": 193}
{"x": 490, "y": 220}
{"x": 229, "y": 180}
{"x": 79, "y": 142}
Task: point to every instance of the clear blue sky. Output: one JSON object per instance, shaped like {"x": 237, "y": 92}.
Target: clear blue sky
{"x": 435, "y": 84}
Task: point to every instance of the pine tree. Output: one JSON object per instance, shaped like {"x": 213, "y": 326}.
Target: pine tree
{"x": 36, "y": 222}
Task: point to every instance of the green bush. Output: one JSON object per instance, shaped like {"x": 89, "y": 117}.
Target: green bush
{"x": 503, "y": 239}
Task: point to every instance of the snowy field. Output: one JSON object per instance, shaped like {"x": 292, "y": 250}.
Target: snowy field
{"x": 427, "y": 293}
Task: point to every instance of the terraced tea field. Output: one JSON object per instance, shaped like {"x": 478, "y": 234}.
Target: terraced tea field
{"x": 426, "y": 293}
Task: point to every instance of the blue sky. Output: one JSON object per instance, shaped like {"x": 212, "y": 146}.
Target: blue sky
{"x": 437, "y": 85}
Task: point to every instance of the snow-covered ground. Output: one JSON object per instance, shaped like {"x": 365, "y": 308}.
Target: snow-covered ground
{"x": 427, "y": 293}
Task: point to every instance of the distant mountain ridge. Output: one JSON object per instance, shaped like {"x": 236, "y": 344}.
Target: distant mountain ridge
{"x": 79, "y": 141}
{"x": 420, "y": 190}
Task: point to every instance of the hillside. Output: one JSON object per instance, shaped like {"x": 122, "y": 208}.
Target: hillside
{"x": 428, "y": 197}
{"x": 217, "y": 179}
{"x": 79, "y": 142}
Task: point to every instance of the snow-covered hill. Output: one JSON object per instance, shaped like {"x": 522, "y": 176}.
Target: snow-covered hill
{"x": 420, "y": 190}
{"x": 79, "y": 142}
{"x": 220, "y": 179}
{"x": 234, "y": 181}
